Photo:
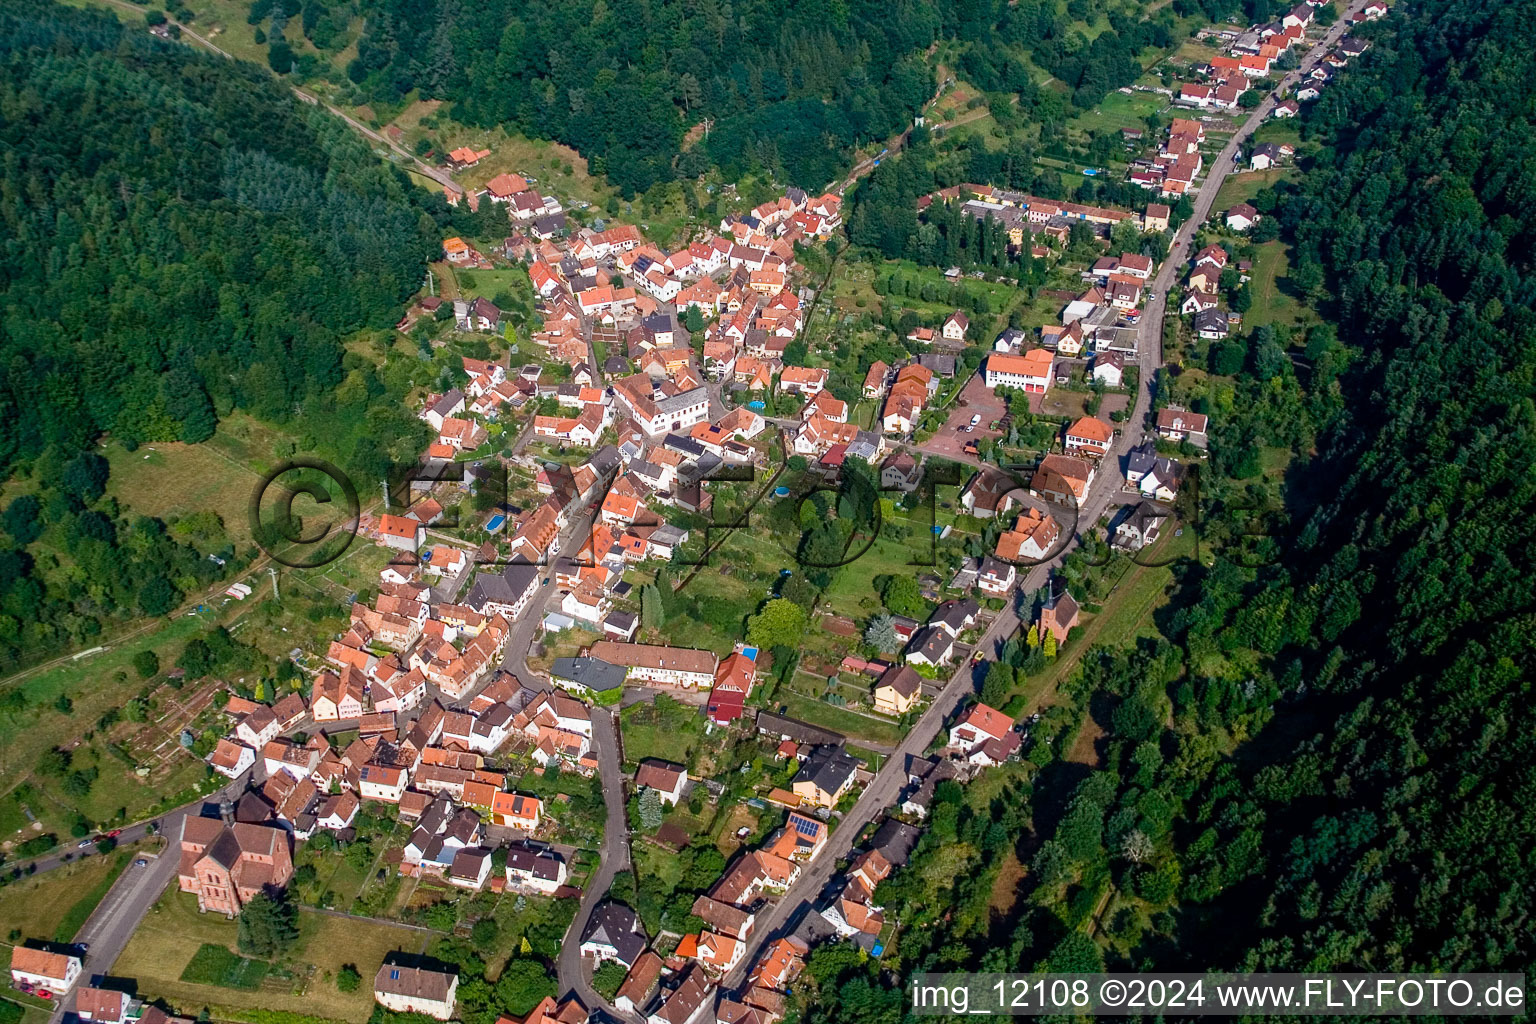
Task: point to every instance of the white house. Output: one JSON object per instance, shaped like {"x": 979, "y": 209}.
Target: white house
{"x": 416, "y": 990}
{"x": 33, "y": 969}
{"x": 535, "y": 866}
{"x": 666, "y": 779}
{"x": 231, "y": 759}
{"x": 1029, "y": 372}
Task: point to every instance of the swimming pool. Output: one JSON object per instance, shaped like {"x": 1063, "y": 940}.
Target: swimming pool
{"x": 496, "y": 522}
{"x": 759, "y": 406}
{"x": 750, "y": 653}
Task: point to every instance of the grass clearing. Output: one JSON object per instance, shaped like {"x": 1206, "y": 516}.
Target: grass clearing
{"x": 1273, "y": 302}
{"x": 46, "y": 905}
{"x": 1241, "y": 188}
{"x": 173, "y": 936}
{"x": 867, "y": 728}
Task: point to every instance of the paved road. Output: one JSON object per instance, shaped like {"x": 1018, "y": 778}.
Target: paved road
{"x": 614, "y": 856}
{"x": 107, "y": 931}
{"x": 887, "y": 785}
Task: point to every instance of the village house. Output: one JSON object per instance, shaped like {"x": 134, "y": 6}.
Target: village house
{"x": 897, "y": 690}
{"x": 1033, "y": 536}
{"x": 1062, "y": 479}
{"x": 824, "y": 776}
{"x": 535, "y": 866}
{"x": 658, "y": 665}
{"x": 416, "y": 990}
{"x": 1030, "y": 372}
{"x": 1089, "y": 436}
{"x": 33, "y": 969}
{"x": 666, "y": 779}
{"x": 614, "y": 932}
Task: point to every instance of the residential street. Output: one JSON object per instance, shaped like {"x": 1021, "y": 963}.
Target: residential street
{"x": 110, "y": 927}
{"x": 615, "y": 857}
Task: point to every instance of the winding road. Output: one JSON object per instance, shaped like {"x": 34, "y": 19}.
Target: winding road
{"x": 109, "y": 928}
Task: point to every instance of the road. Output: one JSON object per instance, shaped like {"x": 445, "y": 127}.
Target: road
{"x": 436, "y": 174}
{"x": 106, "y": 932}
{"x": 613, "y": 857}
{"x": 884, "y": 790}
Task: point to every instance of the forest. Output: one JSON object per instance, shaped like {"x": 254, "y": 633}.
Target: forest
{"x": 790, "y": 86}
{"x": 1323, "y": 762}
{"x": 179, "y": 239}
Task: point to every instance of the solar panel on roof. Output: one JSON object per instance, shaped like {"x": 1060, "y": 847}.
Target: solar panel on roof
{"x": 806, "y": 827}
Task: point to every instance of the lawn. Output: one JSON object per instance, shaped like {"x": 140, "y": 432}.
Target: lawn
{"x": 171, "y": 945}
{"x": 1117, "y": 111}
{"x": 54, "y": 904}
{"x": 1272, "y": 302}
{"x": 856, "y": 726}
{"x": 169, "y": 480}
{"x": 1241, "y": 188}
{"x": 214, "y": 964}
{"x": 672, "y": 734}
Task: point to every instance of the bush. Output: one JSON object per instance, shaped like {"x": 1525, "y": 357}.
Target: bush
{"x": 349, "y": 978}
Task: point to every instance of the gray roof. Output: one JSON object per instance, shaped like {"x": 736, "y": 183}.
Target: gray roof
{"x": 682, "y": 400}
{"x": 445, "y": 405}
{"x": 536, "y": 859}
{"x": 828, "y": 767}
{"x": 507, "y": 587}
{"x": 895, "y": 840}
{"x": 605, "y": 460}
{"x": 1211, "y": 320}
{"x": 801, "y": 732}
{"x": 933, "y": 643}
{"x": 954, "y": 613}
{"x": 592, "y": 673}
{"x": 614, "y": 924}
{"x": 1142, "y": 458}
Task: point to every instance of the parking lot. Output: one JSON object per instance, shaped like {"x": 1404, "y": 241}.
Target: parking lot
{"x": 975, "y": 399}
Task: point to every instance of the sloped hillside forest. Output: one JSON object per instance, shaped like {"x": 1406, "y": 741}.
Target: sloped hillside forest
{"x": 179, "y": 238}
{"x": 1326, "y": 763}
{"x": 790, "y": 85}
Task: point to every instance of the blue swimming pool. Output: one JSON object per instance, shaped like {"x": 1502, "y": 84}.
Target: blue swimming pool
{"x": 759, "y": 406}
{"x": 750, "y": 652}
{"x": 496, "y": 522}
{"x": 781, "y": 492}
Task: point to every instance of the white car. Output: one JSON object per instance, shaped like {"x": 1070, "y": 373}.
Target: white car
{"x": 975, "y": 420}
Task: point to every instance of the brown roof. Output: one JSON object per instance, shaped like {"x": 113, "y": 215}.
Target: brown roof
{"x": 99, "y": 1004}
{"x": 678, "y": 659}
{"x": 417, "y": 982}
{"x": 642, "y": 978}
{"x": 902, "y": 679}
{"x": 659, "y": 774}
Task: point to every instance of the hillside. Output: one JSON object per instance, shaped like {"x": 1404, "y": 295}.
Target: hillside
{"x": 1322, "y": 761}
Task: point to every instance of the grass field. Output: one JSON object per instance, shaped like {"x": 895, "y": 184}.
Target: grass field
{"x": 1241, "y": 188}
{"x": 671, "y": 737}
{"x": 1117, "y": 111}
{"x": 852, "y": 724}
{"x": 54, "y": 904}
{"x": 174, "y": 935}
{"x": 214, "y": 964}
{"x": 1272, "y": 304}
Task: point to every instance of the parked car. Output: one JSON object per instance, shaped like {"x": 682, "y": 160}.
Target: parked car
{"x": 975, "y": 420}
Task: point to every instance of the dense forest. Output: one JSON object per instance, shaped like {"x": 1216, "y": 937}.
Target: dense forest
{"x": 787, "y": 85}
{"x": 179, "y": 238}
{"x": 1324, "y": 761}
